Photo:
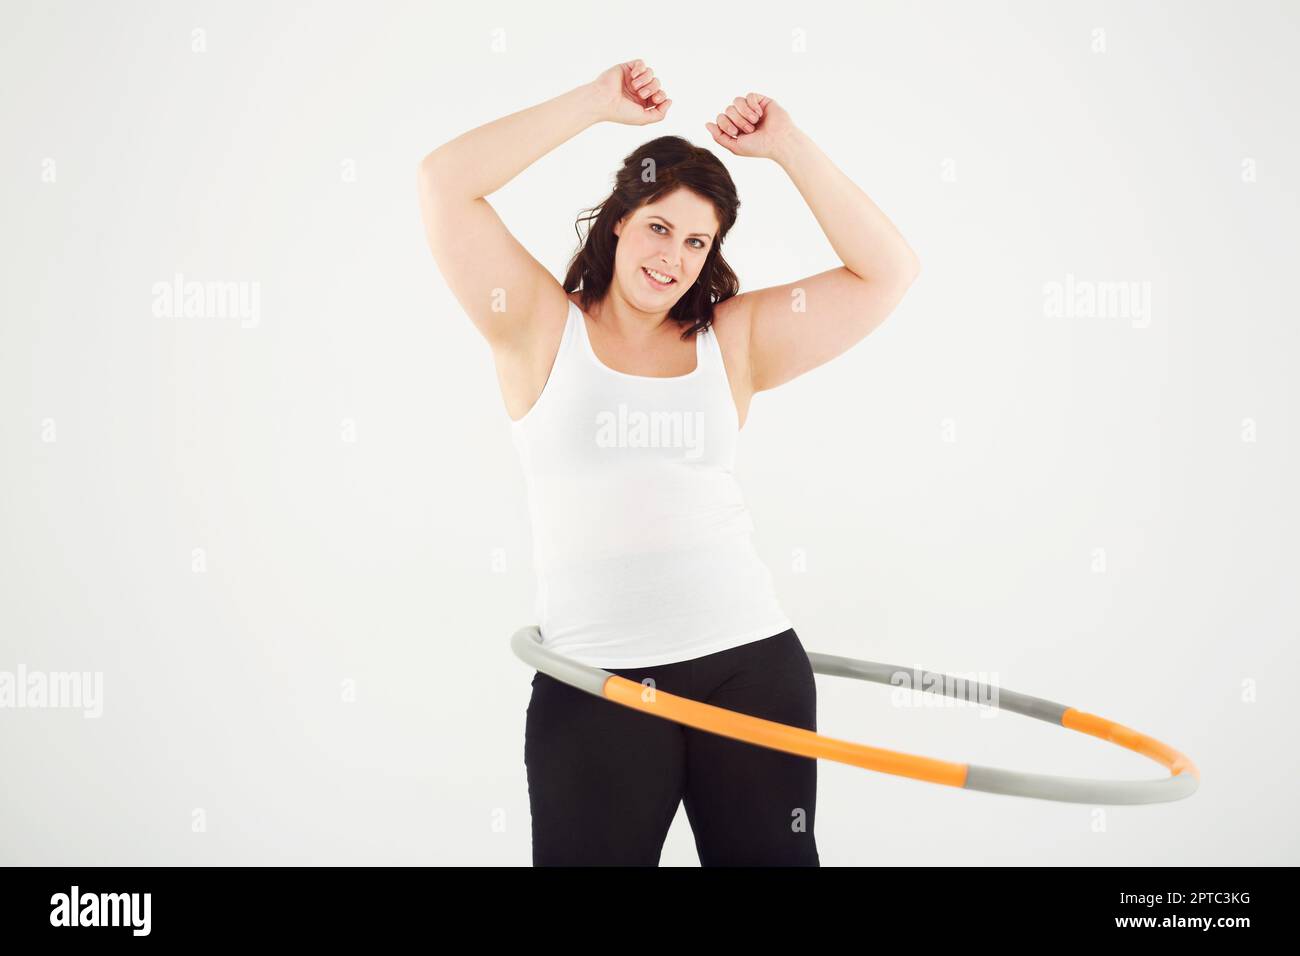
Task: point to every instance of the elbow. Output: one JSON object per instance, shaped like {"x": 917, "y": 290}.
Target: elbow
{"x": 423, "y": 175}
{"x": 438, "y": 164}
{"x": 908, "y": 270}
{"x": 900, "y": 267}
{"x": 440, "y": 180}
{"x": 424, "y": 169}
{"x": 432, "y": 183}
{"x": 902, "y": 272}
{"x": 911, "y": 267}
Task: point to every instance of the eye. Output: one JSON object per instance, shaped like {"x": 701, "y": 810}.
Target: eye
{"x": 700, "y": 242}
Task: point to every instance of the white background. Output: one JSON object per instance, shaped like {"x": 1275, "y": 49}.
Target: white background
{"x": 1011, "y": 151}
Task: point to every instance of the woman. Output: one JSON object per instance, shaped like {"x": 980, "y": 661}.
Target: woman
{"x": 627, "y": 387}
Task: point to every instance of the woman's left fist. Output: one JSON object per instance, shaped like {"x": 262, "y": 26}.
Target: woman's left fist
{"x": 752, "y": 125}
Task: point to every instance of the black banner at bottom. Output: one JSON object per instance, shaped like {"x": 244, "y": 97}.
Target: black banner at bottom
{"x": 947, "y": 905}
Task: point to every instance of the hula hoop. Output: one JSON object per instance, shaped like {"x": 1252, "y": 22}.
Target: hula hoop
{"x": 1182, "y": 782}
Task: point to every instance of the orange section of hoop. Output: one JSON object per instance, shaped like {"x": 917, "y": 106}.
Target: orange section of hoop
{"x": 1164, "y": 754}
{"x": 769, "y": 733}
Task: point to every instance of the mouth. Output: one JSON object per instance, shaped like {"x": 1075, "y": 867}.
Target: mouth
{"x": 657, "y": 280}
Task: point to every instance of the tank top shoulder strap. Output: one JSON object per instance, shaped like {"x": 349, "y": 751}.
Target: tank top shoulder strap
{"x": 711, "y": 352}
{"x": 570, "y": 343}
{"x": 571, "y": 319}
{"x": 576, "y": 329}
{"x": 562, "y": 367}
{"x": 574, "y": 340}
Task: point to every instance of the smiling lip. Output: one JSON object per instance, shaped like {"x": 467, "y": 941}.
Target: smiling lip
{"x": 655, "y": 282}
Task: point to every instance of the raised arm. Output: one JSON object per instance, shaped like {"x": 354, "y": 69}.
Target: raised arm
{"x": 798, "y": 326}
{"x": 493, "y": 277}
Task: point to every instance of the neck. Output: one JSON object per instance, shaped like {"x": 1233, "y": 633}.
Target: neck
{"x": 623, "y": 318}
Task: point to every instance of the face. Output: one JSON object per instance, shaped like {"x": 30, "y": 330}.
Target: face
{"x": 671, "y": 236}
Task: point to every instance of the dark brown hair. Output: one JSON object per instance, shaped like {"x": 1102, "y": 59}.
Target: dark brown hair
{"x": 651, "y": 171}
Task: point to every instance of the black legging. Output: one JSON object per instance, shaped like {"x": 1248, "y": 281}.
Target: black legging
{"x": 604, "y": 780}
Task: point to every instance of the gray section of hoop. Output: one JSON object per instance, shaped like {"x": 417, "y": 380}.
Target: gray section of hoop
{"x": 527, "y": 645}
{"x": 1011, "y": 782}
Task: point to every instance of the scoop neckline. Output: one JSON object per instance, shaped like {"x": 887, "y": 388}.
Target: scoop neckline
{"x": 591, "y": 353}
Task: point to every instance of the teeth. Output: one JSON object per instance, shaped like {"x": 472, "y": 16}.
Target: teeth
{"x": 658, "y": 276}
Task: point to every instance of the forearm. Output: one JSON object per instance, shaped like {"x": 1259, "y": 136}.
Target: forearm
{"x": 481, "y": 161}
{"x": 868, "y": 244}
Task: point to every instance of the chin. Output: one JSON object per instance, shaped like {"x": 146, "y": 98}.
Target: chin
{"x": 648, "y": 299}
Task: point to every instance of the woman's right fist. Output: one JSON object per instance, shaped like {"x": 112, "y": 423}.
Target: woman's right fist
{"x": 629, "y": 93}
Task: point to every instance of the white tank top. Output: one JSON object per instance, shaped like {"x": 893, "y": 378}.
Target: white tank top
{"x": 642, "y": 544}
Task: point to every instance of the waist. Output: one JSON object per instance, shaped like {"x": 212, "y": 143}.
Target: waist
{"x": 658, "y": 605}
